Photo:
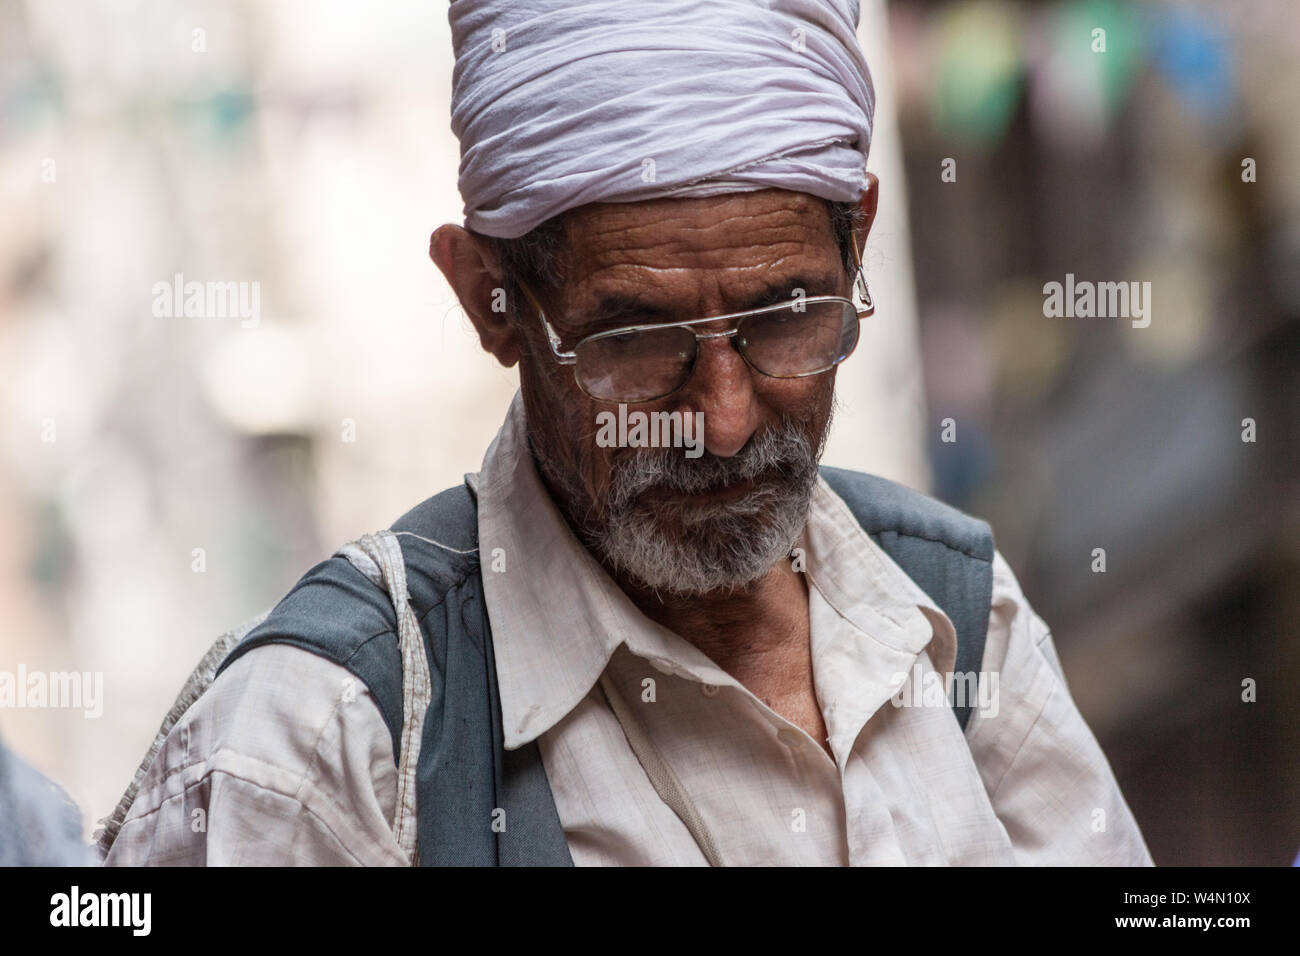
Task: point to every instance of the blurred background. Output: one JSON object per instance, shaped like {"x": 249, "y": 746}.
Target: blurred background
{"x": 163, "y": 478}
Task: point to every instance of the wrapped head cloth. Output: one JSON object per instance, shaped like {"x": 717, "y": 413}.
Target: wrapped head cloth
{"x": 560, "y": 103}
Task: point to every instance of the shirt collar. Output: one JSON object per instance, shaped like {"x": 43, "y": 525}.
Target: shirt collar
{"x": 557, "y": 616}
{"x": 869, "y": 621}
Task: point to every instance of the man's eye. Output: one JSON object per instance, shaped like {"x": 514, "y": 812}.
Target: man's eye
{"x": 623, "y": 342}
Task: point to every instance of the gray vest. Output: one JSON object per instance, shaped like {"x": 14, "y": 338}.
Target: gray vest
{"x": 464, "y": 773}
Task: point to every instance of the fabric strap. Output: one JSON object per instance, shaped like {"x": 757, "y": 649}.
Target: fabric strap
{"x": 379, "y": 557}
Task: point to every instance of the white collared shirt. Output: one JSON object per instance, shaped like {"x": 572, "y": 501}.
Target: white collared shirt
{"x": 288, "y": 767}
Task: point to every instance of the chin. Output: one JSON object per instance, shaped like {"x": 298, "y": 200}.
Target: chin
{"x": 703, "y": 548}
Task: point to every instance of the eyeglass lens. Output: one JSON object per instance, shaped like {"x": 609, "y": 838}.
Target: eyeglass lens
{"x": 783, "y": 343}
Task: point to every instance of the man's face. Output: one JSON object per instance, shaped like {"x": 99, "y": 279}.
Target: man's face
{"x": 676, "y": 524}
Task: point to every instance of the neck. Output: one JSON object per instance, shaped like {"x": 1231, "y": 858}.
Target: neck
{"x": 745, "y": 632}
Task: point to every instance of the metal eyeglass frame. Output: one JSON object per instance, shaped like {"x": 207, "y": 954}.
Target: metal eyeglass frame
{"x": 867, "y": 308}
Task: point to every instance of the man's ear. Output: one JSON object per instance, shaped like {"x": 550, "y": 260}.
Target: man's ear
{"x": 472, "y": 270}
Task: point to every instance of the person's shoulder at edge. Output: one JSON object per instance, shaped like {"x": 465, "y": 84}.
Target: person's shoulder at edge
{"x": 284, "y": 760}
{"x": 40, "y": 825}
{"x": 1046, "y": 775}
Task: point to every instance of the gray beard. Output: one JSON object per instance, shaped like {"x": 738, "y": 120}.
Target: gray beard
{"x": 689, "y": 547}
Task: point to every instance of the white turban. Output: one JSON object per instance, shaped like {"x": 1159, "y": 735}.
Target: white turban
{"x": 560, "y": 103}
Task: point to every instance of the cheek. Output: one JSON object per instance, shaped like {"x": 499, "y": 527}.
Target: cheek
{"x": 806, "y": 400}
{"x": 562, "y": 426}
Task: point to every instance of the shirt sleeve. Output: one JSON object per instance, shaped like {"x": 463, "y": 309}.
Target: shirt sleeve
{"x": 284, "y": 760}
{"x": 1049, "y": 782}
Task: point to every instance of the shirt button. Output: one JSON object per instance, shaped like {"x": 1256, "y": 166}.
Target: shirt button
{"x": 789, "y": 737}
{"x": 709, "y": 690}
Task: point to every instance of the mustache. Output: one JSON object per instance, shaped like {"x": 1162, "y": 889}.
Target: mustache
{"x": 780, "y": 454}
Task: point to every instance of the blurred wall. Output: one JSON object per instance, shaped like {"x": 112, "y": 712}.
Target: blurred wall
{"x": 1140, "y": 474}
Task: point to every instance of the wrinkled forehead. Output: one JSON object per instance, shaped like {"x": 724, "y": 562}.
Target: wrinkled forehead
{"x": 712, "y": 249}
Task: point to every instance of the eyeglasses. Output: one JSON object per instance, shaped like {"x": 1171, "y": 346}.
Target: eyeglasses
{"x": 642, "y": 363}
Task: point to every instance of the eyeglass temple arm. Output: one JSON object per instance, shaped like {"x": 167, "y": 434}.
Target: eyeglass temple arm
{"x": 860, "y": 281}
{"x": 564, "y": 358}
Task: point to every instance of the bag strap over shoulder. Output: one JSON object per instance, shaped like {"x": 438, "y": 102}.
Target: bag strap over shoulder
{"x": 379, "y": 557}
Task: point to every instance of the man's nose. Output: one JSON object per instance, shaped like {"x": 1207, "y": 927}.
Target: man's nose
{"x": 722, "y": 387}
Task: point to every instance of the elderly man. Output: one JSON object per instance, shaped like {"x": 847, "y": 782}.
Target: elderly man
{"x": 602, "y": 650}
